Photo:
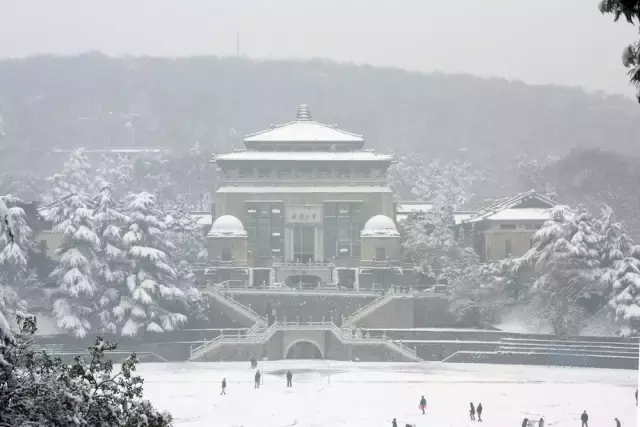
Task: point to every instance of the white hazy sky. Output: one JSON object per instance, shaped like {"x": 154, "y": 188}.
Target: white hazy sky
{"x": 537, "y": 41}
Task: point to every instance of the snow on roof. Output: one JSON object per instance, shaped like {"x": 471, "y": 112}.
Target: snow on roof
{"x": 532, "y": 214}
{"x": 413, "y": 207}
{"x": 303, "y": 129}
{"x": 460, "y": 217}
{"x": 509, "y": 203}
{"x": 274, "y": 189}
{"x": 379, "y": 226}
{"x": 227, "y": 226}
{"x": 203, "y": 219}
{"x": 305, "y": 156}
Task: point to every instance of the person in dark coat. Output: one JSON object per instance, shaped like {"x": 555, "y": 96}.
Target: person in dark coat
{"x": 394, "y": 423}
{"x": 541, "y": 422}
{"x": 479, "y": 411}
{"x": 423, "y": 404}
{"x": 618, "y": 423}
{"x": 257, "y": 380}
{"x": 525, "y": 422}
{"x": 472, "y": 411}
{"x": 224, "y": 387}
{"x": 585, "y": 419}
{"x": 289, "y": 377}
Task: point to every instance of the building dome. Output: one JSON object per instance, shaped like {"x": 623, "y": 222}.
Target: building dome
{"x": 379, "y": 225}
{"x": 227, "y": 226}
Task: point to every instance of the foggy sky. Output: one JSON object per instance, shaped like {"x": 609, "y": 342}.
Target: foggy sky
{"x": 536, "y": 41}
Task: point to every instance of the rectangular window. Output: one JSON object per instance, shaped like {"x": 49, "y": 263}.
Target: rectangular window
{"x": 507, "y": 248}
{"x": 265, "y": 228}
{"x": 225, "y": 254}
{"x": 342, "y": 225}
{"x": 507, "y": 226}
{"x": 380, "y": 254}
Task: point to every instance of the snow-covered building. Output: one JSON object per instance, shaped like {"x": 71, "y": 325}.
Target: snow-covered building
{"x": 303, "y": 191}
{"x": 505, "y": 228}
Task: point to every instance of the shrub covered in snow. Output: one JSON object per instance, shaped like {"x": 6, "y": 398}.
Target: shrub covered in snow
{"x": 39, "y": 390}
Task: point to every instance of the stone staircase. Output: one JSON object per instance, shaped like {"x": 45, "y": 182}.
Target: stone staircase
{"x": 243, "y": 312}
{"x": 261, "y": 336}
{"x": 556, "y": 352}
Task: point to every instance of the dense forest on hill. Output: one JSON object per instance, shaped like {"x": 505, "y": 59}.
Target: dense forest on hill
{"x": 93, "y": 101}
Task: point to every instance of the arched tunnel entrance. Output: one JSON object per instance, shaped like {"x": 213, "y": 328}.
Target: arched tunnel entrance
{"x": 304, "y": 350}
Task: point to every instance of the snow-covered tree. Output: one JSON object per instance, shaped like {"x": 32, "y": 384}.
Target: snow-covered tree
{"x": 117, "y": 172}
{"x": 430, "y": 242}
{"x": 566, "y": 256}
{"x": 113, "y": 266}
{"x": 15, "y": 275}
{"x": 444, "y": 184}
{"x": 76, "y": 176}
{"x": 76, "y": 272}
{"x": 630, "y": 10}
{"x": 626, "y": 292}
{"x": 39, "y": 390}
{"x": 151, "y": 295}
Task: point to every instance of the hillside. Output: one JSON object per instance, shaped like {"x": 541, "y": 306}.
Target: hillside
{"x": 93, "y": 100}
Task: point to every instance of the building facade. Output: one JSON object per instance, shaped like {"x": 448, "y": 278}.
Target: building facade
{"x": 505, "y": 229}
{"x": 311, "y": 204}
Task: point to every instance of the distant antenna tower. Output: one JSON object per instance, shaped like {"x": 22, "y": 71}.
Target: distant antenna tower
{"x": 238, "y": 43}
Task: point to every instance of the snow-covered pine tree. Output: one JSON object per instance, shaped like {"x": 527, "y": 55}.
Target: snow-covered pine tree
{"x": 76, "y": 272}
{"x": 75, "y": 178}
{"x": 151, "y": 296}
{"x": 113, "y": 266}
{"x": 117, "y": 172}
{"x": 15, "y": 276}
{"x": 626, "y": 292}
{"x": 566, "y": 258}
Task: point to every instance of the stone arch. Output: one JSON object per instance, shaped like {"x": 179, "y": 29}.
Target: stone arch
{"x": 304, "y": 349}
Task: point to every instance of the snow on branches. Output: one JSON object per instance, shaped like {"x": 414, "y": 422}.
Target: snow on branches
{"x": 76, "y": 272}
{"x": 151, "y": 294}
{"x": 626, "y": 292}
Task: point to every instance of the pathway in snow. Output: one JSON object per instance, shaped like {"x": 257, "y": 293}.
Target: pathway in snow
{"x": 371, "y": 394}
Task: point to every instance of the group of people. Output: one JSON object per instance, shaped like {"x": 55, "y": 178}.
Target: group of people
{"x": 473, "y": 410}
{"x": 256, "y": 381}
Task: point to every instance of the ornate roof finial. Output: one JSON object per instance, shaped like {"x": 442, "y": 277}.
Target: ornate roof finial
{"x": 304, "y": 113}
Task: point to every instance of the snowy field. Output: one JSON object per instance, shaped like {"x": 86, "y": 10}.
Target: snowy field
{"x": 372, "y": 394}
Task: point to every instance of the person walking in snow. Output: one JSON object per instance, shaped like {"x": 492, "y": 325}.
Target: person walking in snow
{"x": 472, "y": 411}
{"x": 618, "y": 423}
{"x": 479, "y": 411}
{"x": 224, "y": 387}
{"x": 257, "y": 380}
{"x": 394, "y": 423}
{"x": 423, "y": 404}
{"x": 541, "y": 422}
{"x": 525, "y": 422}
{"x": 289, "y": 377}
{"x": 585, "y": 419}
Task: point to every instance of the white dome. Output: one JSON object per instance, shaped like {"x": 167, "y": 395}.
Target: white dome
{"x": 380, "y": 225}
{"x": 227, "y": 226}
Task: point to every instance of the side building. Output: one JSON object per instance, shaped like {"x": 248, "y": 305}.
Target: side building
{"x": 304, "y": 205}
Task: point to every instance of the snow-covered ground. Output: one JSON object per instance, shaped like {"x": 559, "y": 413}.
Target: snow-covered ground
{"x": 371, "y": 394}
